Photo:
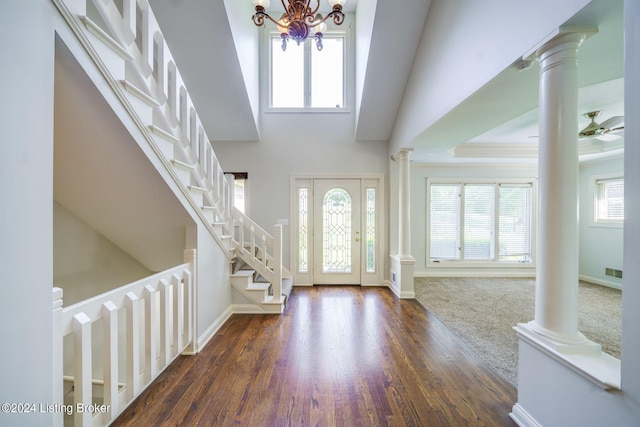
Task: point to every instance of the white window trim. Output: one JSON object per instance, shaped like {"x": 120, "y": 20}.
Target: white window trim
{"x": 311, "y": 45}
{"x": 446, "y": 263}
{"x": 593, "y": 196}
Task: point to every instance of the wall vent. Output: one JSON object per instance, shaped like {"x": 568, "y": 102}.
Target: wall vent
{"x": 613, "y": 272}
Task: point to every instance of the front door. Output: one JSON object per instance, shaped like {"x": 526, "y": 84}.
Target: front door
{"x": 337, "y": 236}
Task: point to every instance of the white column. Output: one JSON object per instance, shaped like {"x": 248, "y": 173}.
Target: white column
{"x": 556, "y": 303}
{"x": 404, "y": 202}
{"x": 402, "y": 264}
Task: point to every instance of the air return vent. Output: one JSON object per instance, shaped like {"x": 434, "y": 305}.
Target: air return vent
{"x": 613, "y": 272}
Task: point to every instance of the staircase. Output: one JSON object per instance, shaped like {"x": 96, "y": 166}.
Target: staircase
{"x": 258, "y": 289}
{"x": 125, "y": 42}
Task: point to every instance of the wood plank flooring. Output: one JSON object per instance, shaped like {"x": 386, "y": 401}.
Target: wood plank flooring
{"x": 338, "y": 356}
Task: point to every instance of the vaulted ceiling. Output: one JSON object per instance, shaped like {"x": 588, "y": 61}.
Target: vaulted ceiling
{"x": 216, "y": 49}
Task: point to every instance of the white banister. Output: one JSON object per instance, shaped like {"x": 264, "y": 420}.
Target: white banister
{"x": 110, "y": 357}
{"x": 277, "y": 261}
{"x": 129, "y": 21}
{"x": 146, "y": 33}
{"x": 57, "y": 354}
{"x": 82, "y": 368}
{"x": 165, "y": 322}
{"x": 178, "y": 309}
{"x": 151, "y": 336}
{"x": 133, "y": 345}
{"x": 166, "y": 319}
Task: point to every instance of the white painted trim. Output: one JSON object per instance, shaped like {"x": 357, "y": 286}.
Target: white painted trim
{"x": 533, "y": 167}
{"x": 522, "y": 417}
{"x": 106, "y": 38}
{"x": 600, "y": 282}
{"x": 495, "y": 150}
{"x": 381, "y": 221}
{"x": 585, "y": 358}
{"x": 247, "y": 309}
{"x": 166, "y": 135}
{"x": 139, "y": 93}
{"x": 204, "y": 339}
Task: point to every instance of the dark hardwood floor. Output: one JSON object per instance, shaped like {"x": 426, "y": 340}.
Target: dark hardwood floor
{"x": 338, "y": 356}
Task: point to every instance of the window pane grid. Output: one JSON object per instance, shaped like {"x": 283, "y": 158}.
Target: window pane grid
{"x": 303, "y": 77}
{"x": 480, "y": 222}
{"x": 336, "y": 241}
{"x": 303, "y": 230}
{"x": 610, "y": 200}
{"x": 371, "y": 230}
{"x": 515, "y": 223}
{"x": 445, "y": 222}
{"x": 287, "y": 75}
{"x": 479, "y": 219}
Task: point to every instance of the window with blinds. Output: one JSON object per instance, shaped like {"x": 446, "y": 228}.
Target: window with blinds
{"x": 609, "y": 200}
{"x": 489, "y": 222}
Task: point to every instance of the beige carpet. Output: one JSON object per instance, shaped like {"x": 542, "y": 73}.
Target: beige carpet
{"x": 483, "y": 311}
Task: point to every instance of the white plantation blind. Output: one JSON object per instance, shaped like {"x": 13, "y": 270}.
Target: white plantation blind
{"x": 610, "y": 200}
{"x": 445, "y": 221}
{"x": 489, "y": 222}
{"x": 479, "y": 221}
{"x": 515, "y": 223}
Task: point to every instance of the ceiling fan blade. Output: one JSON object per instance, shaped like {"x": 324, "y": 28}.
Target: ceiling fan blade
{"x": 608, "y": 137}
{"x": 612, "y": 122}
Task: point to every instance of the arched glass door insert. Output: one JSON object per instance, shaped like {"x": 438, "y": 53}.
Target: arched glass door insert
{"x": 337, "y": 217}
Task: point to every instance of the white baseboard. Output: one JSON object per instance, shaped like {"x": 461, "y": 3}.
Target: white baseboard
{"x": 600, "y": 282}
{"x": 247, "y": 309}
{"x": 522, "y": 417}
{"x": 213, "y": 329}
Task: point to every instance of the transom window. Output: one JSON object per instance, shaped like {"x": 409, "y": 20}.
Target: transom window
{"x": 303, "y": 77}
{"x": 489, "y": 222}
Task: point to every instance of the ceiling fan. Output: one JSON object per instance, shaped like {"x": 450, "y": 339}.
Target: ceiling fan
{"x": 609, "y": 130}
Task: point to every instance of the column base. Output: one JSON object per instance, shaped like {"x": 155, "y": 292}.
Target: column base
{"x": 402, "y": 267}
{"x": 582, "y": 356}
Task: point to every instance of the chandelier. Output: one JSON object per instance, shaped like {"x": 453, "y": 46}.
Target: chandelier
{"x": 300, "y": 21}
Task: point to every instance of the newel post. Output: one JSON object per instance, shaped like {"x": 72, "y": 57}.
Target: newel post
{"x": 277, "y": 261}
{"x": 57, "y": 356}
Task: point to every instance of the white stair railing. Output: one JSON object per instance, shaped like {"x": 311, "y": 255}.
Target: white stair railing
{"x": 125, "y": 41}
{"x": 151, "y": 318}
{"x": 260, "y": 250}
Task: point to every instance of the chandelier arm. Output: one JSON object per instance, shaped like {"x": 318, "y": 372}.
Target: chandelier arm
{"x": 258, "y": 19}
{"x": 338, "y": 18}
{"x": 314, "y": 10}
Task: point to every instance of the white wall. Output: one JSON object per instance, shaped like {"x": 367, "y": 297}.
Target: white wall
{"x": 325, "y": 148}
{"x": 213, "y": 294}
{"x": 419, "y": 175}
{"x": 482, "y": 39}
{"x": 26, "y": 247}
{"x": 298, "y": 143}
{"x": 85, "y": 263}
{"x": 600, "y": 247}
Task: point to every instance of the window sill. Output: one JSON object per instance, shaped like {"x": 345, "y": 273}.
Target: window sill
{"x": 308, "y": 110}
{"x": 474, "y": 264}
{"x": 606, "y": 224}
